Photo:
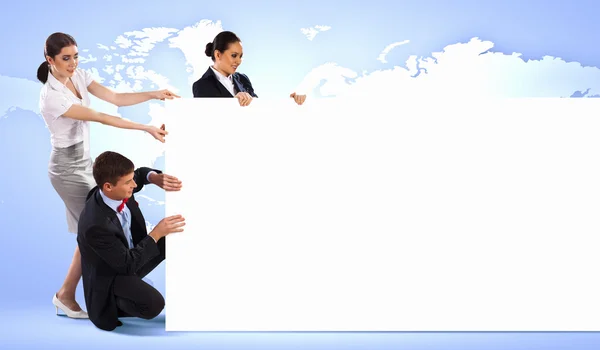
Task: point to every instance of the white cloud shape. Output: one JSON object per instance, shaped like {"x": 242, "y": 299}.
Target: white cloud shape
{"x": 389, "y": 48}
{"x": 129, "y": 76}
{"x": 19, "y": 93}
{"x": 334, "y": 76}
{"x": 460, "y": 70}
{"x": 96, "y": 75}
{"x": 192, "y": 41}
{"x": 89, "y": 58}
{"x": 151, "y": 200}
{"x": 123, "y": 42}
{"x": 311, "y": 32}
{"x": 468, "y": 69}
{"x": 147, "y": 38}
{"x": 125, "y": 59}
{"x": 108, "y": 69}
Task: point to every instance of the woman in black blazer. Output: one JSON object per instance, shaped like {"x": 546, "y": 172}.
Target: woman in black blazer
{"x": 221, "y": 79}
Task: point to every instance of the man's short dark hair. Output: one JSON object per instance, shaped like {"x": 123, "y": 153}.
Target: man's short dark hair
{"x": 110, "y": 167}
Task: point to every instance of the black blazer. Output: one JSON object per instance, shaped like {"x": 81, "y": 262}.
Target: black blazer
{"x": 106, "y": 254}
{"x": 209, "y": 85}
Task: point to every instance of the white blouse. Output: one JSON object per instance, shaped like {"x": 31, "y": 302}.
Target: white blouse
{"x": 55, "y": 100}
{"x": 227, "y": 82}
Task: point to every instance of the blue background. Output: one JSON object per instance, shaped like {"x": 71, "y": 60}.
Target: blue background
{"x": 37, "y": 248}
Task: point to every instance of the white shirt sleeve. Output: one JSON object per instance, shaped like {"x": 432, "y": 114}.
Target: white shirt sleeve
{"x": 55, "y": 104}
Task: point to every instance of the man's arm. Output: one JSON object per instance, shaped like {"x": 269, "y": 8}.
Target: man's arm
{"x": 141, "y": 176}
{"x": 123, "y": 260}
{"x": 156, "y": 177}
{"x": 154, "y": 262}
{"x": 245, "y": 81}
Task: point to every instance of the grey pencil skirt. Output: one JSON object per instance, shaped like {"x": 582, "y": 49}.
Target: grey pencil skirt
{"x": 70, "y": 172}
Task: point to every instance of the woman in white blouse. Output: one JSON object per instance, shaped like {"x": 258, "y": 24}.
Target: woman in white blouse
{"x": 64, "y": 102}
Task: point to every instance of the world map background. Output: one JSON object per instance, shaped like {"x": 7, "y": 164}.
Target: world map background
{"x": 395, "y": 50}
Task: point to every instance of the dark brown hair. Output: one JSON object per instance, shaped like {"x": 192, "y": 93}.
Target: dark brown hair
{"x": 110, "y": 167}
{"x": 54, "y": 44}
{"x": 221, "y": 43}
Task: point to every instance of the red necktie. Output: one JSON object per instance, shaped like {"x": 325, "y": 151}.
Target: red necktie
{"x": 122, "y": 205}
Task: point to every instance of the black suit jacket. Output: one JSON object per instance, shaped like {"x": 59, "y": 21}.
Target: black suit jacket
{"x": 209, "y": 85}
{"x": 106, "y": 254}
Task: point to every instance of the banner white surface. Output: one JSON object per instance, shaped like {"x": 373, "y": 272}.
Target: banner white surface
{"x": 349, "y": 215}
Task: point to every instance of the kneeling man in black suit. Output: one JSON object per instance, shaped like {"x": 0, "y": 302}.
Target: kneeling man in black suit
{"x": 116, "y": 250}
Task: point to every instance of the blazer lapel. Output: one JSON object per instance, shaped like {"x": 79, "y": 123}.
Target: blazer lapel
{"x": 223, "y": 89}
{"x": 211, "y": 75}
{"x": 138, "y": 223}
{"x": 112, "y": 217}
{"x": 115, "y": 220}
{"x": 238, "y": 84}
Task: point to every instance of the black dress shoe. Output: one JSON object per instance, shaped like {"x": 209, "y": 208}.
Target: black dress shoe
{"x": 119, "y": 323}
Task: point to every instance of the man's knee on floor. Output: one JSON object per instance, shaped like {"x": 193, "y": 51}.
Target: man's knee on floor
{"x": 155, "y": 305}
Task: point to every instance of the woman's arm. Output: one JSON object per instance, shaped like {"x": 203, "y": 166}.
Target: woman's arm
{"x": 122, "y": 99}
{"x": 245, "y": 81}
{"x": 83, "y": 113}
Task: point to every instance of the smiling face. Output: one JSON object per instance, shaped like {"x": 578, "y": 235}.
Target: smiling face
{"x": 228, "y": 61}
{"x": 64, "y": 64}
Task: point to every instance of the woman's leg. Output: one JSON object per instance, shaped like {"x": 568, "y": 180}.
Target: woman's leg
{"x": 66, "y": 294}
{"x": 71, "y": 176}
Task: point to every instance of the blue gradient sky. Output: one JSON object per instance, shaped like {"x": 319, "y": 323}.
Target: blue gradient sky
{"x": 277, "y": 57}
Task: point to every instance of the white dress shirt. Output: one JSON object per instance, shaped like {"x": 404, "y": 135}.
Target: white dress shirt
{"x": 125, "y": 214}
{"x": 227, "y": 82}
{"x": 55, "y": 100}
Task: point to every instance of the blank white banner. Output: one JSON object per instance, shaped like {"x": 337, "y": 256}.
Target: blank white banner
{"x": 344, "y": 215}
